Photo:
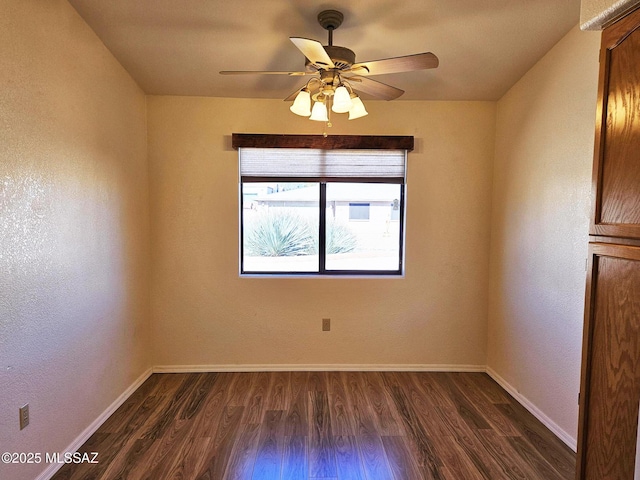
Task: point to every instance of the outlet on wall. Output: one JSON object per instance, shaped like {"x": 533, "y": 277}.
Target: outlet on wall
{"x": 24, "y": 416}
{"x": 326, "y": 324}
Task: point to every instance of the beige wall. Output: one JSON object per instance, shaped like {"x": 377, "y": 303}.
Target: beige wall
{"x": 205, "y": 315}
{"x": 541, "y": 201}
{"x": 73, "y": 229}
{"x": 81, "y": 211}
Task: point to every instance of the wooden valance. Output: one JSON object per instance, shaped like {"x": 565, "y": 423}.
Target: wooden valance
{"x": 330, "y": 142}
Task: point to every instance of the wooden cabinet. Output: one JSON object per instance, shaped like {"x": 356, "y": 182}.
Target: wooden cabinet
{"x": 610, "y": 391}
{"x": 616, "y": 169}
{"x": 610, "y": 382}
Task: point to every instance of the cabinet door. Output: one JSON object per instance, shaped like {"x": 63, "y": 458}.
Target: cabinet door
{"x": 610, "y": 365}
{"x": 616, "y": 172}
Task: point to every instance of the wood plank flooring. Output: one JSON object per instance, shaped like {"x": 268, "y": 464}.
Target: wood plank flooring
{"x": 323, "y": 425}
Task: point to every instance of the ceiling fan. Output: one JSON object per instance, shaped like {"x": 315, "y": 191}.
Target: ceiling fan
{"x": 335, "y": 74}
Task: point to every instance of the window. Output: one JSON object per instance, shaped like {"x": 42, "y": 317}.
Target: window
{"x": 359, "y": 211}
{"x": 321, "y": 211}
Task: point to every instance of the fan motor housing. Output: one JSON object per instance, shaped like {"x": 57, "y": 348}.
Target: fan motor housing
{"x": 341, "y": 57}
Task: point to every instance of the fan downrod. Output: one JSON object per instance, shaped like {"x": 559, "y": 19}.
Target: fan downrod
{"x": 330, "y": 20}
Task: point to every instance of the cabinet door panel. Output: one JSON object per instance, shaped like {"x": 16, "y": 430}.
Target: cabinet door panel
{"x": 611, "y": 365}
{"x": 616, "y": 182}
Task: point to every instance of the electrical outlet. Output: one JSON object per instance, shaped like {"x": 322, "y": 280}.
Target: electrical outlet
{"x": 24, "y": 416}
{"x": 326, "y": 324}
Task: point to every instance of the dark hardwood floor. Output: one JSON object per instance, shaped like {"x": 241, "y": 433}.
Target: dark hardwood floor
{"x": 323, "y": 425}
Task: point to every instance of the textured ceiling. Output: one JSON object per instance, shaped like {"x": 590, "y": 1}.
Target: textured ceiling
{"x": 177, "y": 47}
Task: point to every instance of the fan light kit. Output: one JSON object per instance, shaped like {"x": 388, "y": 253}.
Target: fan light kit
{"x": 336, "y": 76}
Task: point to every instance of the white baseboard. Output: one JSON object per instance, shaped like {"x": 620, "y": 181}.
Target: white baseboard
{"x": 348, "y": 367}
{"x": 91, "y": 429}
{"x": 569, "y": 440}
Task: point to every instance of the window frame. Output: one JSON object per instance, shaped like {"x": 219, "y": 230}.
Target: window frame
{"x": 337, "y": 142}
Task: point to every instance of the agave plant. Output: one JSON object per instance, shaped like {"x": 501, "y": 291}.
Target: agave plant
{"x": 279, "y": 234}
{"x": 340, "y": 238}
{"x": 282, "y": 233}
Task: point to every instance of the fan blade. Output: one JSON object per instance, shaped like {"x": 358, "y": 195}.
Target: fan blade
{"x": 377, "y": 89}
{"x": 419, "y": 61}
{"x": 314, "y": 51}
{"x": 261, "y": 72}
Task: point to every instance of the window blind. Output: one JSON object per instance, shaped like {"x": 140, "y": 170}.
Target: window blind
{"x": 322, "y": 164}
